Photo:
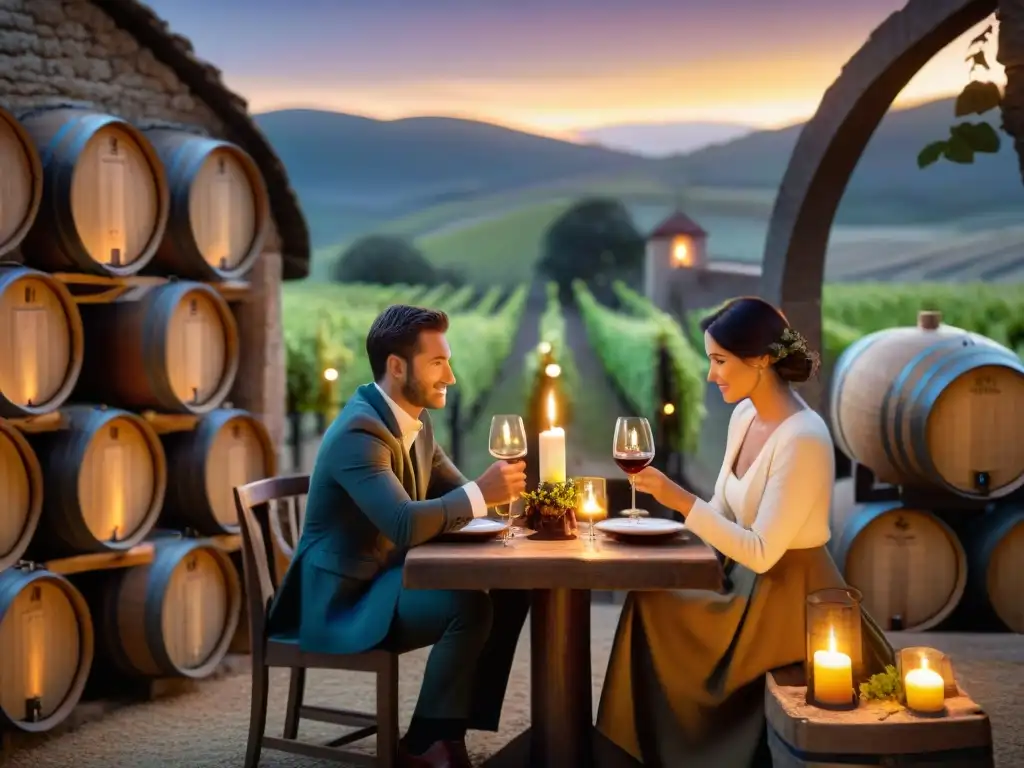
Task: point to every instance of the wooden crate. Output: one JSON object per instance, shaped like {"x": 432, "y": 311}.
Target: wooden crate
{"x": 803, "y": 736}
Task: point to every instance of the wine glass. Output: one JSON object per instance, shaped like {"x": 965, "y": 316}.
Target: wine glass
{"x": 507, "y": 441}
{"x": 633, "y": 449}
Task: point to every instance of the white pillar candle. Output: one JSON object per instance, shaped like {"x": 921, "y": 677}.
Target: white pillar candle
{"x": 833, "y": 675}
{"x": 551, "y": 448}
{"x": 925, "y": 689}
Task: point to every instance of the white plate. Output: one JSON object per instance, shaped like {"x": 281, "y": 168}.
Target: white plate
{"x": 481, "y": 525}
{"x": 644, "y": 526}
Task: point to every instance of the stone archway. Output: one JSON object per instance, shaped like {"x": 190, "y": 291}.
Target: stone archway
{"x": 831, "y": 144}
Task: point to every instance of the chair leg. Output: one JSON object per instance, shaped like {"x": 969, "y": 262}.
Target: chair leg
{"x": 296, "y": 692}
{"x": 257, "y": 713}
{"x": 387, "y": 713}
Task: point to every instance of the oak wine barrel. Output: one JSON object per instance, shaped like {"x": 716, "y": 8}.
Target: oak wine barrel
{"x": 21, "y": 494}
{"x": 41, "y": 342}
{"x": 46, "y": 634}
{"x": 105, "y": 201}
{"x": 175, "y": 350}
{"x": 220, "y": 210}
{"x": 932, "y": 407}
{"x": 21, "y": 183}
{"x": 995, "y": 549}
{"x": 228, "y": 448}
{"x": 175, "y": 617}
{"x": 106, "y": 476}
{"x": 907, "y": 563}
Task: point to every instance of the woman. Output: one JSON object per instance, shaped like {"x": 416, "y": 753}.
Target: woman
{"x": 685, "y": 680}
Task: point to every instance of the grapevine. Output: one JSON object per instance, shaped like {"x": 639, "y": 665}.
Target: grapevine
{"x": 552, "y": 332}
{"x": 689, "y": 368}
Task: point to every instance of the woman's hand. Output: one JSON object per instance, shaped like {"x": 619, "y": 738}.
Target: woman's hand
{"x": 654, "y": 482}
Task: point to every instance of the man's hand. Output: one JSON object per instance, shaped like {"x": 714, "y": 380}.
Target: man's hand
{"x": 502, "y": 482}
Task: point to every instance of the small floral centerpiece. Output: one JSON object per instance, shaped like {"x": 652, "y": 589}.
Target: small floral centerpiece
{"x": 551, "y": 511}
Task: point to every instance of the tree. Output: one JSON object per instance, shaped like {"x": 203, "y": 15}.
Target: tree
{"x": 386, "y": 260}
{"x": 596, "y": 241}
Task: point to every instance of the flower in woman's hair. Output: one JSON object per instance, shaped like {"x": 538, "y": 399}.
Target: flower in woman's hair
{"x": 790, "y": 342}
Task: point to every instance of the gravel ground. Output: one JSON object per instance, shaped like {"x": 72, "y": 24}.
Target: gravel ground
{"x": 209, "y": 727}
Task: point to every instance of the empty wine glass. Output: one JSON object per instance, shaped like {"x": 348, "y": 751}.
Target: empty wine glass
{"x": 507, "y": 441}
{"x": 633, "y": 449}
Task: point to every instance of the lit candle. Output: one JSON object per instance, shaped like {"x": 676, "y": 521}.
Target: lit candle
{"x": 551, "y": 448}
{"x": 634, "y": 444}
{"x": 833, "y": 674}
{"x": 926, "y": 690}
{"x": 590, "y": 506}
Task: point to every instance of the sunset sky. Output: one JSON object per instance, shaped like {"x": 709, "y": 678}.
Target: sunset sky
{"x": 549, "y": 66}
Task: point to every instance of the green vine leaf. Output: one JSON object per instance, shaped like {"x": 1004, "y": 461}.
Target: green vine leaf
{"x": 977, "y": 98}
{"x": 981, "y": 137}
{"x": 982, "y": 38}
{"x": 930, "y": 154}
{"x": 958, "y": 150}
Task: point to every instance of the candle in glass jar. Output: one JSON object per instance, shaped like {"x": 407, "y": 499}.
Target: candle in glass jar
{"x": 590, "y": 508}
{"x": 833, "y": 675}
{"x": 925, "y": 688}
{"x": 551, "y": 448}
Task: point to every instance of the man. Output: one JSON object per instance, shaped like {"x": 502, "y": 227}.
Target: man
{"x": 380, "y": 486}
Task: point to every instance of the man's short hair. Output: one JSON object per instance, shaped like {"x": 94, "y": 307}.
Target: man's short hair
{"x": 396, "y": 331}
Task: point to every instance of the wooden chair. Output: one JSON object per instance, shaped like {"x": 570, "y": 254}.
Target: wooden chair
{"x": 256, "y": 503}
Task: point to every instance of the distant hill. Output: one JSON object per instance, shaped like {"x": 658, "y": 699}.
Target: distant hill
{"x": 391, "y": 161}
{"x": 354, "y": 174}
{"x": 887, "y": 185}
{"x": 664, "y": 139}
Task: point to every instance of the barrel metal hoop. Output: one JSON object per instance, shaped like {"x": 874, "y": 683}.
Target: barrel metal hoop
{"x": 839, "y": 379}
{"x": 895, "y": 392}
{"x": 927, "y": 392}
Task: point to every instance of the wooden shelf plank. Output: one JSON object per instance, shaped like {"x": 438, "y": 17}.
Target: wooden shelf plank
{"x": 229, "y": 542}
{"x": 140, "y": 554}
{"x": 162, "y": 423}
{"x": 47, "y": 422}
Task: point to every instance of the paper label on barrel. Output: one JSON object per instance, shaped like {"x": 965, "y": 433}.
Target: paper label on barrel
{"x": 29, "y": 333}
{"x": 112, "y": 203}
{"x": 194, "y": 589}
{"x": 193, "y": 354}
{"x": 238, "y": 472}
{"x": 114, "y": 480}
{"x": 32, "y": 647}
{"x": 221, "y": 195}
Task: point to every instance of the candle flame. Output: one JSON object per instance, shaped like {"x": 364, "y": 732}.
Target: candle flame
{"x": 506, "y": 434}
{"x": 924, "y": 662}
{"x": 832, "y": 639}
{"x": 551, "y": 409}
{"x": 634, "y": 445}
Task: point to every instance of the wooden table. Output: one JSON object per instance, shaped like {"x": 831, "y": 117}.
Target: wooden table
{"x": 560, "y": 575}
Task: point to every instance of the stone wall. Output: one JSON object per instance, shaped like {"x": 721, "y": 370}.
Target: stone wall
{"x": 60, "y": 51}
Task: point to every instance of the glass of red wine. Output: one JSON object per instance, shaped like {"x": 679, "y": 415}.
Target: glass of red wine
{"x": 633, "y": 449}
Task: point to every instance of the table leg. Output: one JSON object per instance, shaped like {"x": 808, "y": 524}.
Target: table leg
{"x": 560, "y": 686}
{"x": 562, "y": 733}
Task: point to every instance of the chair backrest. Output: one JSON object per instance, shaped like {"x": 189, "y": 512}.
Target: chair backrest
{"x": 258, "y": 504}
